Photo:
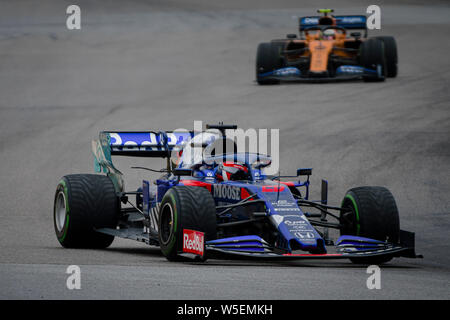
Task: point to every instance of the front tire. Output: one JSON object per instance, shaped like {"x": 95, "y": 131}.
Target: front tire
{"x": 371, "y": 213}
{"x": 268, "y": 58}
{"x": 84, "y": 202}
{"x": 390, "y": 51}
{"x": 372, "y": 56}
{"x": 185, "y": 207}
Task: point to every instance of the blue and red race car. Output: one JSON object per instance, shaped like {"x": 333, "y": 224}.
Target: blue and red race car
{"x": 221, "y": 206}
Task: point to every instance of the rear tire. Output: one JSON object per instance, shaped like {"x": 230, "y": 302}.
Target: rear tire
{"x": 268, "y": 58}
{"x": 390, "y": 52}
{"x": 372, "y": 213}
{"x": 372, "y": 56}
{"x": 185, "y": 207}
{"x": 84, "y": 202}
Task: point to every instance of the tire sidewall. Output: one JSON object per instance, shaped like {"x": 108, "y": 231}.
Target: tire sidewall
{"x": 374, "y": 221}
{"x": 62, "y": 234}
{"x": 378, "y": 219}
{"x": 351, "y": 200}
{"x": 192, "y": 208}
{"x": 83, "y": 216}
{"x": 171, "y": 199}
{"x": 391, "y": 55}
{"x": 372, "y": 54}
{"x": 267, "y": 59}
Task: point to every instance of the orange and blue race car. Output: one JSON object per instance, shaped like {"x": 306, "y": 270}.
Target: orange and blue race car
{"x": 327, "y": 51}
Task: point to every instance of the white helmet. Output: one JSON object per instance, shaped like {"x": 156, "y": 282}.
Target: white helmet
{"x": 329, "y": 34}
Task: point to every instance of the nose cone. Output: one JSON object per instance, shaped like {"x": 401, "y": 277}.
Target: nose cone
{"x": 320, "y": 51}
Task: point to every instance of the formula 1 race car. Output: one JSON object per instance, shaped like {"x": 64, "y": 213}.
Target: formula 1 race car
{"x": 326, "y": 52}
{"x": 221, "y": 205}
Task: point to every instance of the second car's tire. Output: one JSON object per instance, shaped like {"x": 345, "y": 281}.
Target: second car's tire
{"x": 372, "y": 56}
{"x": 268, "y": 58}
{"x": 390, "y": 52}
{"x": 371, "y": 213}
{"x": 185, "y": 207}
{"x": 82, "y": 203}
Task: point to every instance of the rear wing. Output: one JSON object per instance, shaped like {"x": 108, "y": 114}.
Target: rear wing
{"x": 347, "y": 22}
{"x": 150, "y": 144}
{"x": 144, "y": 143}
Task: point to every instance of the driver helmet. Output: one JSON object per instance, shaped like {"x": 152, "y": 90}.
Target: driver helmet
{"x": 231, "y": 171}
{"x": 329, "y": 34}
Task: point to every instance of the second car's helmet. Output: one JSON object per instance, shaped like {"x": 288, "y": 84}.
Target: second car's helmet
{"x": 329, "y": 34}
{"x": 231, "y": 171}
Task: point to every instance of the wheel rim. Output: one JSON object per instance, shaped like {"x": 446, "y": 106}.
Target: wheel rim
{"x": 348, "y": 223}
{"x": 60, "y": 211}
{"x": 166, "y": 224}
{"x": 348, "y": 218}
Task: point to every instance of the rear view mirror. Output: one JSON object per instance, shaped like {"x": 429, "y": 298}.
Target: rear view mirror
{"x": 182, "y": 172}
{"x": 291, "y": 36}
{"x": 304, "y": 172}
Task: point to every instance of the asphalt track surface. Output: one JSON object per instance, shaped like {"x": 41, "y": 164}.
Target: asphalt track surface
{"x": 161, "y": 65}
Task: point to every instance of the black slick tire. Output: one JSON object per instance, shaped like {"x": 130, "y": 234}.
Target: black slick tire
{"x": 185, "y": 207}
{"x": 371, "y": 213}
{"x": 82, "y": 203}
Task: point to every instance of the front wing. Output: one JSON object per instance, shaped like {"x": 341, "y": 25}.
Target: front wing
{"x": 343, "y": 73}
{"x": 395, "y": 251}
{"x": 253, "y": 247}
{"x": 347, "y": 247}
